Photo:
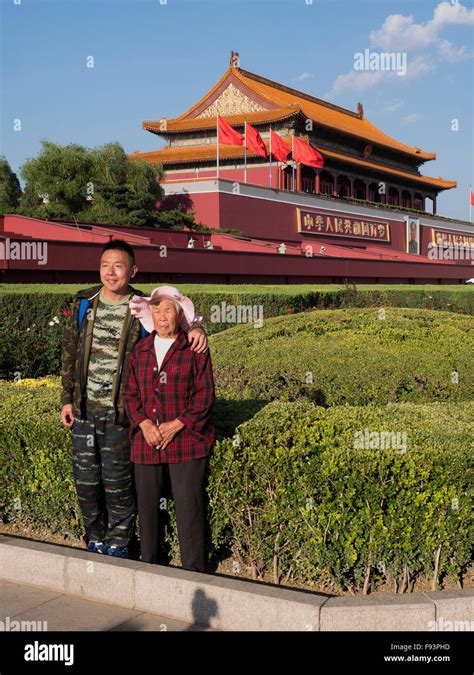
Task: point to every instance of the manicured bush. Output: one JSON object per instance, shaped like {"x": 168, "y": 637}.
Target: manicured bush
{"x": 348, "y": 356}
{"x": 36, "y": 483}
{"x": 31, "y": 346}
{"x": 299, "y": 502}
{"x": 291, "y": 495}
{"x": 31, "y": 328}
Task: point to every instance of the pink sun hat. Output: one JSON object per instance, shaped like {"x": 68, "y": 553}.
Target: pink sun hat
{"x": 140, "y": 306}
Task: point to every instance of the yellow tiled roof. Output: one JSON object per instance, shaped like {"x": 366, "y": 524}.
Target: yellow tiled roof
{"x": 202, "y": 153}
{"x": 196, "y": 123}
{"x": 326, "y": 114}
{"x": 427, "y": 180}
{"x": 284, "y": 102}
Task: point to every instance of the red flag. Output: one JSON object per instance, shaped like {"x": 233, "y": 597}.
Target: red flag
{"x": 280, "y": 149}
{"x": 472, "y": 198}
{"x": 228, "y": 135}
{"x": 306, "y": 154}
{"x": 254, "y": 141}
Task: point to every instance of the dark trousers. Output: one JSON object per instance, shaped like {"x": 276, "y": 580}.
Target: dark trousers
{"x": 187, "y": 484}
{"x": 102, "y": 474}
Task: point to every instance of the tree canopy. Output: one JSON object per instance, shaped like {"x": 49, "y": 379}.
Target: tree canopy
{"x": 10, "y": 188}
{"x": 96, "y": 185}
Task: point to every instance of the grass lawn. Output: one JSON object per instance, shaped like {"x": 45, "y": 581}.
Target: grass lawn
{"x": 280, "y": 289}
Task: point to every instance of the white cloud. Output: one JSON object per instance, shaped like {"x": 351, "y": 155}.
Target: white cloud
{"x": 452, "y": 13}
{"x": 418, "y": 65}
{"x": 357, "y": 81}
{"x": 304, "y": 76}
{"x": 394, "y": 106}
{"x": 412, "y": 118}
{"x": 451, "y": 53}
{"x": 401, "y": 34}
{"x": 360, "y": 81}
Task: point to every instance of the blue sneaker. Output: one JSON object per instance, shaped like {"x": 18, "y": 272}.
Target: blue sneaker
{"x": 97, "y": 547}
{"x": 118, "y": 551}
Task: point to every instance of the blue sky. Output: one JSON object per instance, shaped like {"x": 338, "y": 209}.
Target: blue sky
{"x": 154, "y": 58}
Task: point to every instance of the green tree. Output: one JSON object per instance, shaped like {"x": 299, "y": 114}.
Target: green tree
{"x": 10, "y": 188}
{"x": 175, "y": 219}
{"x": 122, "y": 191}
{"x": 99, "y": 185}
{"x": 59, "y": 175}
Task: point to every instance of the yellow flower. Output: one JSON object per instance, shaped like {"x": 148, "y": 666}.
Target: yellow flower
{"x": 49, "y": 381}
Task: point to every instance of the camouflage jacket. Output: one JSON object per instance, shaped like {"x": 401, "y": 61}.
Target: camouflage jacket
{"x": 77, "y": 343}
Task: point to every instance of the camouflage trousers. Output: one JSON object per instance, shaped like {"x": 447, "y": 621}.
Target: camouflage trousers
{"x": 102, "y": 474}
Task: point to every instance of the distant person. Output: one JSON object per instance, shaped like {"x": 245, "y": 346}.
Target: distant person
{"x": 282, "y": 248}
{"x": 169, "y": 393}
{"x": 191, "y": 243}
{"x": 98, "y": 340}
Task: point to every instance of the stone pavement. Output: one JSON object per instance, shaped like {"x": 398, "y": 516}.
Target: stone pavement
{"x": 105, "y": 593}
{"x": 61, "y": 612}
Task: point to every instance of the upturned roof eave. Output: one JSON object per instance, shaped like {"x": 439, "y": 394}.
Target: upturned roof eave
{"x": 268, "y": 91}
{"x": 228, "y": 152}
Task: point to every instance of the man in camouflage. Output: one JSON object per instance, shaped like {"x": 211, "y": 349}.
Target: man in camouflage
{"x": 95, "y": 359}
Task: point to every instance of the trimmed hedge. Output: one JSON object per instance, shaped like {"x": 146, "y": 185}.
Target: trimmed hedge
{"x": 349, "y": 356}
{"x": 300, "y": 502}
{"x": 290, "y": 495}
{"x": 32, "y": 347}
{"x": 36, "y": 482}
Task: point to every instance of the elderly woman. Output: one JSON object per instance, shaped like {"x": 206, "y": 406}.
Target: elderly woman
{"x": 168, "y": 396}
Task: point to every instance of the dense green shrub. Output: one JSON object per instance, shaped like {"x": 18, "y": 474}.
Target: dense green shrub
{"x": 298, "y": 500}
{"x": 36, "y": 483}
{"x": 32, "y": 347}
{"x": 348, "y": 356}
{"x": 290, "y": 495}
{"x": 31, "y": 328}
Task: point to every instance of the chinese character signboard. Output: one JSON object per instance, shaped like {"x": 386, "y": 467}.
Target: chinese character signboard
{"x": 358, "y": 227}
{"x": 451, "y": 238}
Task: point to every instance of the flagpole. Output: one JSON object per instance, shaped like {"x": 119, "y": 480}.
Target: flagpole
{"x": 245, "y": 151}
{"x": 217, "y": 144}
{"x": 270, "y": 155}
{"x": 470, "y": 203}
{"x": 292, "y": 158}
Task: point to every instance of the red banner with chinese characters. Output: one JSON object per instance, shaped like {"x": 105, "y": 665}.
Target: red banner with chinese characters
{"x": 452, "y": 238}
{"x": 359, "y": 227}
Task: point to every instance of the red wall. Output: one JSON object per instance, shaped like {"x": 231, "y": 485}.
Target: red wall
{"x": 269, "y": 219}
{"x": 77, "y": 262}
{"x": 41, "y": 229}
{"x": 258, "y": 175}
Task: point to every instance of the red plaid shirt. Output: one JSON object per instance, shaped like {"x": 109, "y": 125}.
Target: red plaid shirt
{"x": 182, "y": 388}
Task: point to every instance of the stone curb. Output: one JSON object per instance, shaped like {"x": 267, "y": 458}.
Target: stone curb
{"x": 224, "y": 603}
